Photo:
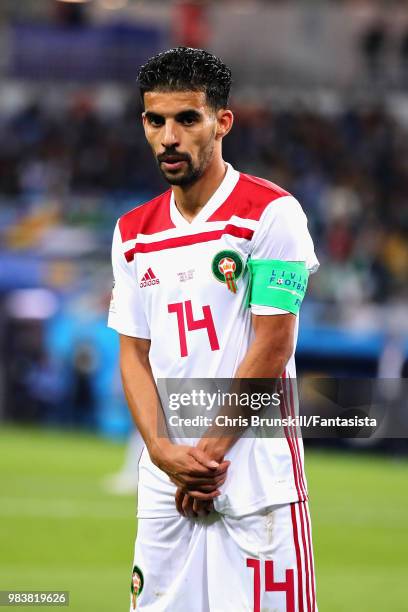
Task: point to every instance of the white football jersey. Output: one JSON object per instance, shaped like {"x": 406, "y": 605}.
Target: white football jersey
{"x": 184, "y": 286}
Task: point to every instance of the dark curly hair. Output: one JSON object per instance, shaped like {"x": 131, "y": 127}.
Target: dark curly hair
{"x": 187, "y": 69}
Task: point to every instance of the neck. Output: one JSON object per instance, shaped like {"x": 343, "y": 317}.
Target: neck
{"x": 191, "y": 198}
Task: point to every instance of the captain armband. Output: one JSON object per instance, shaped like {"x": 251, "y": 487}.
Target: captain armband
{"x": 281, "y": 284}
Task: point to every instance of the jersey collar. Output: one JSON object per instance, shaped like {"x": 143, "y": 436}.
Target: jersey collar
{"x": 218, "y": 197}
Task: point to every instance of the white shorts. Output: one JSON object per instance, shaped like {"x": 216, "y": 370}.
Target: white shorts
{"x": 259, "y": 562}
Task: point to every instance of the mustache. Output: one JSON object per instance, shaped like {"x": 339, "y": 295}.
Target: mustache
{"x": 173, "y": 156}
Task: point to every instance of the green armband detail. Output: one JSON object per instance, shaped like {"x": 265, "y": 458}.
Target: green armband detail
{"x": 281, "y": 284}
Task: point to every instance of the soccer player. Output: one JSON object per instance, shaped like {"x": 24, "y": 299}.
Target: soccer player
{"x": 201, "y": 290}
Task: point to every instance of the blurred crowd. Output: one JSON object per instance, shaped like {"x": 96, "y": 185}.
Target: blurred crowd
{"x": 349, "y": 171}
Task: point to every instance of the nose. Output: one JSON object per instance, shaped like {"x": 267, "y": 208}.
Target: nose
{"x": 170, "y": 136}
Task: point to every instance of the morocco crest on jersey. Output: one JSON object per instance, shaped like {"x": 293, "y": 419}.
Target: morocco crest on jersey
{"x": 227, "y": 267}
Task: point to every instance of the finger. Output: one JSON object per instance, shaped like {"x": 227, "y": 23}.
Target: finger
{"x": 210, "y": 483}
{"x": 224, "y": 465}
{"x": 187, "y": 481}
{"x": 198, "y": 487}
{"x": 207, "y": 505}
{"x": 222, "y": 469}
{"x": 197, "y": 470}
{"x": 203, "y": 488}
{"x": 179, "y": 496}
{"x": 200, "y": 507}
{"x": 187, "y": 506}
{"x": 202, "y": 472}
{"x": 204, "y": 496}
{"x": 190, "y": 483}
{"x": 220, "y": 481}
{"x": 184, "y": 504}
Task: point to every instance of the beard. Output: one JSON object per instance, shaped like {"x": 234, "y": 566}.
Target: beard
{"x": 190, "y": 173}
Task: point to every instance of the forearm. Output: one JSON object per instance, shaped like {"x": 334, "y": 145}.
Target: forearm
{"x": 263, "y": 360}
{"x": 187, "y": 467}
{"x": 143, "y": 400}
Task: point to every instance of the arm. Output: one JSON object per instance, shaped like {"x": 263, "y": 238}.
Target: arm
{"x": 267, "y": 357}
{"x": 188, "y": 467}
{"x": 281, "y": 237}
{"x": 281, "y": 245}
{"x": 185, "y": 466}
{"x": 271, "y": 348}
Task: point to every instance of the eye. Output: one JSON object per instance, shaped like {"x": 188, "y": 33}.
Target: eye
{"x": 188, "y": 120}
{"x": 155, "y": 121}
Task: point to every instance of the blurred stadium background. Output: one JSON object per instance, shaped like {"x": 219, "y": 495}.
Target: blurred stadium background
{"x": 321, "y": 100}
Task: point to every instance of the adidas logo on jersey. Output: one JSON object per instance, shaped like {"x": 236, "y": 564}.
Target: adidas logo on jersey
{"x": 149, "y": 279}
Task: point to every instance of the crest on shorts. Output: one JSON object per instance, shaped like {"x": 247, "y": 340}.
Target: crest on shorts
{"x": 136, "y": 585}
{"x": 227, "y": 267}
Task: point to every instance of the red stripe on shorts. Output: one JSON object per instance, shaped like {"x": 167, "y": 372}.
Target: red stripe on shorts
{"x": 305, "y": 554}
{"x": 298, "y": 557}
{"x": 309, "y": 537}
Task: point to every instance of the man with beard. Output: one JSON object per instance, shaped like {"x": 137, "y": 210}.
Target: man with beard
{"x": 202, "y": 275}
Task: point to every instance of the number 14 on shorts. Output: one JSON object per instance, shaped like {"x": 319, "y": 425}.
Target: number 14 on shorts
{"x": 286, "y": 587}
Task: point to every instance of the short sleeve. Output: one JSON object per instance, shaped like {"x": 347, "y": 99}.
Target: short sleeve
{"x": 126, "y": 314}
{"x": 283, "y": 235}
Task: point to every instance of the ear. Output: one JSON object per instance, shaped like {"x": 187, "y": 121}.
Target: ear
{"x": 144, "y": 123}
{"x": 225, "y": 119}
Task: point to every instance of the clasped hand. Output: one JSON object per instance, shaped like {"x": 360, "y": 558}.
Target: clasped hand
{"x": 196, "y": 475}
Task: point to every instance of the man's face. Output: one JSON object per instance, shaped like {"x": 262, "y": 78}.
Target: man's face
{"x": 181, "y": 129}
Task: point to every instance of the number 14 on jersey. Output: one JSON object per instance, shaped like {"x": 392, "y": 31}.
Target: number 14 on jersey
{"x": 186, "y": 322}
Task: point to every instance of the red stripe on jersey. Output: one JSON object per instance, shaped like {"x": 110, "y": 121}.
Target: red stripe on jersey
{"x": 288, "y": 435}
{"x": 301, "y": 468}
{"x": 150, "y": 273}
{"x": 149, "y": 218}
{"x": 248, "y": 199}
{"x": 298, "y": 557}
{"x": 179, "y": 241}
{"x": 287, "y": 385}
